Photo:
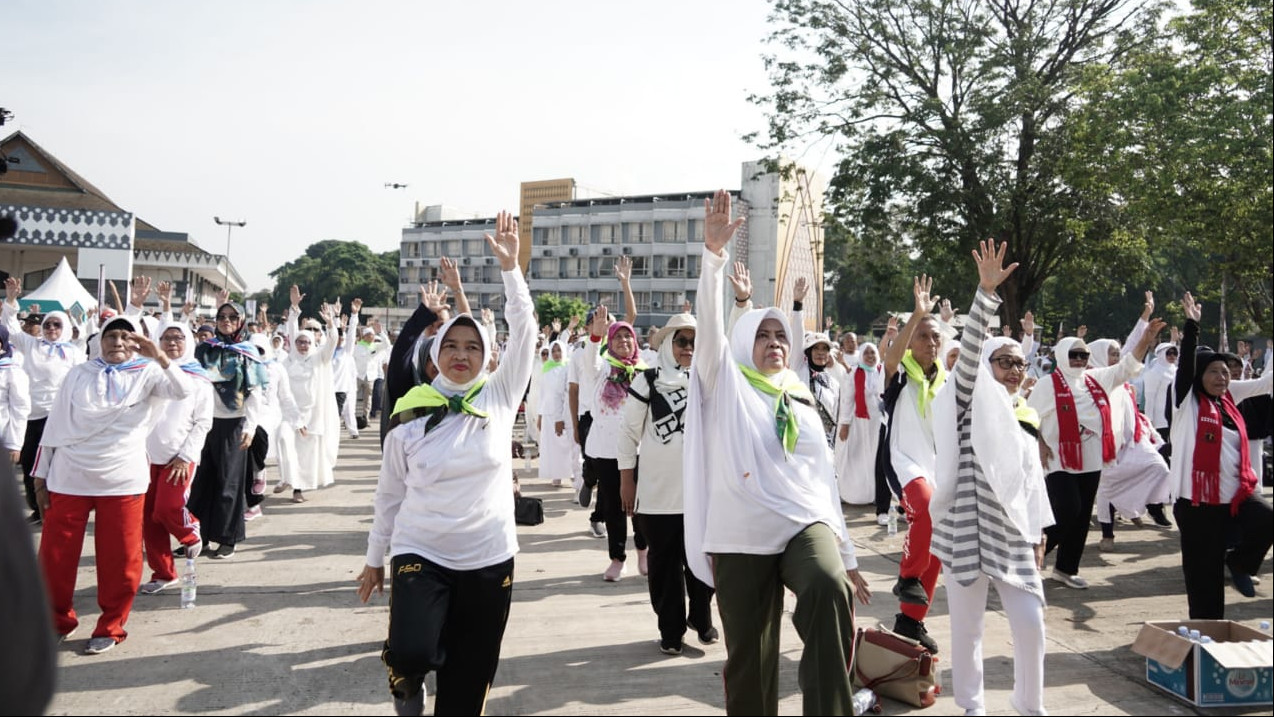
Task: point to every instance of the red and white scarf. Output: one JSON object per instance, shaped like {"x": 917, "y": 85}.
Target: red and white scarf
{"x": 1206, "y": 472}
{"x": 860, "y": 393}
{"x": 1070, "y": 446}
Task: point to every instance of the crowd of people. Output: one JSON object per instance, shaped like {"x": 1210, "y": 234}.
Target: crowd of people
{"x": 728, "y": 442}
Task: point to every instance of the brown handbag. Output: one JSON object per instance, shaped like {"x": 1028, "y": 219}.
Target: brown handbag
{"x": 894, "y": 666}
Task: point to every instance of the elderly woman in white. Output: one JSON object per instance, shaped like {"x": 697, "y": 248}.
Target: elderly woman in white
{"x": 310, "y": 374}
{"x": 761, "y": 506}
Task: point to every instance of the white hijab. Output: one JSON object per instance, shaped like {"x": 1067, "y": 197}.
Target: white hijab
{"x": 447, "y": 387}
{"x": 1011, "y": 467}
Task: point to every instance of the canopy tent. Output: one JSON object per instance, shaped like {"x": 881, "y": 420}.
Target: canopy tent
{"x": 60, "y": 292}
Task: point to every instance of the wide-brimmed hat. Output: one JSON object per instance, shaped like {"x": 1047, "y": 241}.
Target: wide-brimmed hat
{"x": 678, "y": 321}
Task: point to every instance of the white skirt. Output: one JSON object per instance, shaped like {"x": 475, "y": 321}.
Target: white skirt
{"x": 559, "y": 455}
{"x": 856, "y": 461}
{"x": 312, "y": 470}
{"x": 1139, "y": 477}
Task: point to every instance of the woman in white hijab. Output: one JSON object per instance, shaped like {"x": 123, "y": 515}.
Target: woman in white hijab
{"x": 279, "y": 415}
{"x": 444, "y": 506}
{"x": 1158, "y": 381}
{"x": 1139, "y": 477}
{"x": 310, "y": 376}
{"x": 1077, "y": 426}
{"x": 46, "y": 359}
{"x": 859, "y": 431}
{"x": 761, "y": 506}
{"x": 559, "y": 453}
{"x": 990, "y": 505}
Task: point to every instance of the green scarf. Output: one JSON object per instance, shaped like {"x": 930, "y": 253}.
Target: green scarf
{"x": 628, "y": 369}
{"x": 425, "y": 400}
{"x": 1025, "y": 414}
{"x": 784, "y": 386}
{"x": 926, "y": 389}
{"x": 550, "y": 365}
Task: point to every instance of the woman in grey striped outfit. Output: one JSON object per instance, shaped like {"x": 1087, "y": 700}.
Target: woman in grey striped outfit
{"x": 990, "y": 504}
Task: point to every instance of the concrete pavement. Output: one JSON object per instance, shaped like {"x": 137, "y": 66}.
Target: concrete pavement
{"x": 278, "y": 629}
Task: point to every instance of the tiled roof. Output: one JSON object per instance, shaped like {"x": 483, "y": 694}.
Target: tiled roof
{"x": 73, "y": 192}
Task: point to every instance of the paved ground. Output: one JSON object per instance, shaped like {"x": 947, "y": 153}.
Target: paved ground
{"x": 278, "y": 629}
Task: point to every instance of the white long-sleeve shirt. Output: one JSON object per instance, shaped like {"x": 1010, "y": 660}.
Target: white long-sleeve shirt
{"x": 743, "y": 494}
{"x": 15, "y": 406}
{"x": 182, "y": 425}
{"x": 105, "y": 456}
{"x": 448, "y": 495}
{"x": 46, "y": 366}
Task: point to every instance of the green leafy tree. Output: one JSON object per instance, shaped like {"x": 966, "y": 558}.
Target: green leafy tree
{"x": 949, "y": 117}
{"x": 1184, "y": 144}
{"x": 333, "y": 269}
{"x": 550, "y": 307}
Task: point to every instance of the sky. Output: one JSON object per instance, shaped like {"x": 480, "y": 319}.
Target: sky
{"x": 292, "y": 116}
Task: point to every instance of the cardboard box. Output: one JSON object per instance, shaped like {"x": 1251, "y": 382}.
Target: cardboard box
{"x": 1236, "y": 668}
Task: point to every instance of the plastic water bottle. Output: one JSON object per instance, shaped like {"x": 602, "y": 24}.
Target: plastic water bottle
{"x": 865, "y": 702}
{"x": 893, "y": 518}
{"x": 189, "y": 585}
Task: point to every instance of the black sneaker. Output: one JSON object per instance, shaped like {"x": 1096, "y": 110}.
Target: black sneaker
{"x": 585, "y": 495}
{"x": 225, "y": 550}
{"x": 706, "y": 637}
{"x": 911, "y": 591}
{"x": 411, "y": 705}
{"x": 915, "y": 629}
{"x": 1242, "y": 582}
{"x": 670, "y": 647}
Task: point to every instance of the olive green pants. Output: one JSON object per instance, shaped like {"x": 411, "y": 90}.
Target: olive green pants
{"x": 750, "y": 601}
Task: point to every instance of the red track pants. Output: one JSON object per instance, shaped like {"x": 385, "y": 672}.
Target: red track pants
{"x": 166, "y": 515}
{"x": 917, "y": 562}
{"x": 117, "y": 539}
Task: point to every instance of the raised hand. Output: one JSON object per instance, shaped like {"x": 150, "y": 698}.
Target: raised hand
{"x": 450, "y": 274}
{"x": 990, "y": 261}
{"x": 295, "y": 296}
{"x": 188, "y": 308}
{"x": 1150, "y": 337}
{"x": 800, "y": 289}
{"x": 1006, "y": 330}
{"x": 223, "y": 297}
{"x": 145, "y": 347}
{"x": 139, "y": 289}
{"x": 488, "y": 316}
{"x": 1148, "y": 308}
{"x": 624, "y": 269}
{"x": 946, "y": 312}
{"x": 505, "y": 243}
{"x": 1082, "y": 331}
{"x": 718, "y": 228}
{"x": 574, "y": 321}
{"x": 922, "y": 287}
{"x": 557, "y": 326}
{"x": 687, "y": 307}
{"x": 12, "y": 288}
{"x": 355, "y": 305}
{"x": 433, "y": 296}
{"x": 1028, "y": 324}
{"x": 742, "y": 282}
{"x": 1193, "y": 309}
{"x": 891, "y": 329}
{"x": 601, "y": 322}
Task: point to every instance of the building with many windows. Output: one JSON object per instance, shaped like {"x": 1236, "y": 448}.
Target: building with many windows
{"x": 574, "y": 243}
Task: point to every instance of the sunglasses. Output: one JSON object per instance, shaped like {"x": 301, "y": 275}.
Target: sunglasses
{"x": 682, "y": 342}
{"x": 1170, "y": 352}
{"x": 1009, "y": 363}
{"x": 1078, "y": 355}
{"x": 227, "y": 317}
{"x": 53, "y": 324}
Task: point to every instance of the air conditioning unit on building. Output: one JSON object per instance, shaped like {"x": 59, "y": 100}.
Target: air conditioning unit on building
{"x": 546, "y": 252}
{"x": 574, "y": 251}
{"x": 606, "y": 250}
{"x": 467, "y": 261}
{"x": 593, "y": 274}
{"x": 410, "y": 262}
{"x": 654, "y": 304}
{"x": 535, "y": 275}
{"x": 490, "y": 261}
{"x": 628, "y": 250}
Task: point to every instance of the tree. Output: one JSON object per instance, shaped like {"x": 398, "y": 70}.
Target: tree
{"x": 333, "y": 269}
{"x": 949, "y": 116}
{"x": 1185, "y": 144}
{"x": 550, "y": 307}
{"x": 864, "y": 279}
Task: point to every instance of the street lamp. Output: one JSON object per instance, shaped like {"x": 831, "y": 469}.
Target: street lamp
{"x": 230, "y": 225}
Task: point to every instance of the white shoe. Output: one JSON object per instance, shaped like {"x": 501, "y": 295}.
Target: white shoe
{"x": 882, "y": 519}
{"x": 614, "y": 572}
{"x": 155, "y": 586}
{"x": 1070, "y": 581}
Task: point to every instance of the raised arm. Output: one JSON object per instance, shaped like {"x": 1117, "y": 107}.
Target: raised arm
{"x": 991, "y": 273}
{"x": 624, "y": 271}
{"x": 1139, "y": 328}
{"x": 450, "y": 276}
{"x": 711, "y": 340}
{"x": 514, "y": 372}
{"x": 1189, "y": 342}
{"x": 741, "y": 281}
{"x": 922, "y": 287}
{"x": 797, "y": 318}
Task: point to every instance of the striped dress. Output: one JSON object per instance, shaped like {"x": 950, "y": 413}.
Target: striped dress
{"x": 975, "y": 536}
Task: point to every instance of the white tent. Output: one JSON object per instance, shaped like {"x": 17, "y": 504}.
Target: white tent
{"x": 60, "y": 292}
